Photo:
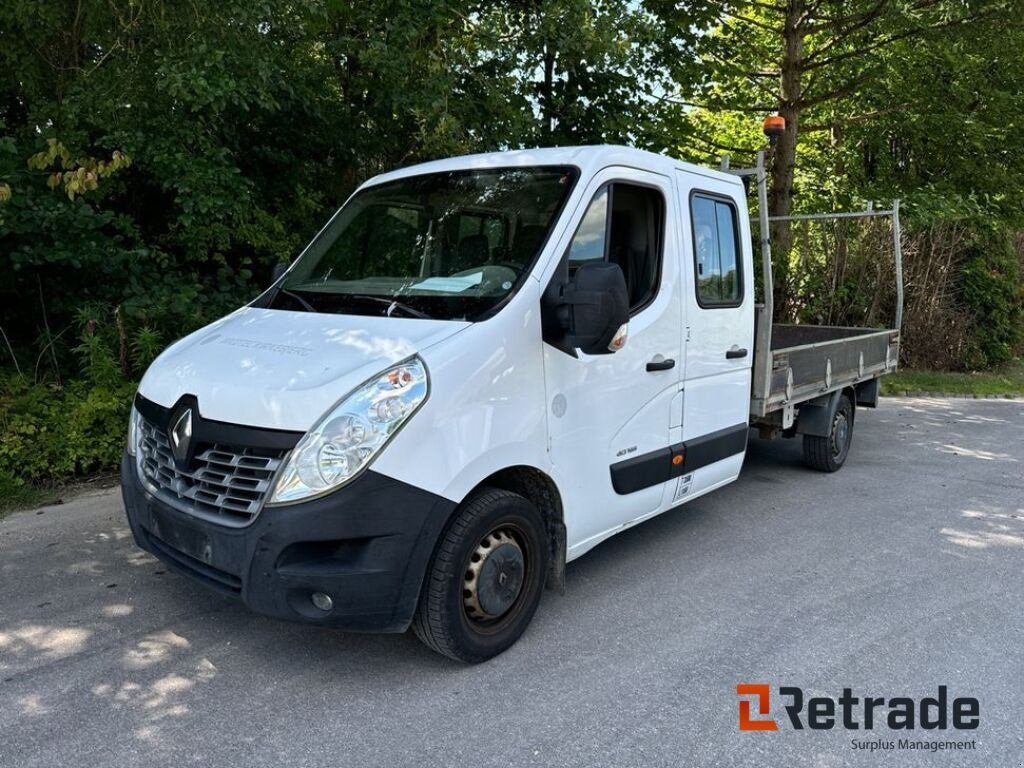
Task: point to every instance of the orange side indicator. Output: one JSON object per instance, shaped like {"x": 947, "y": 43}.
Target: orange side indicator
{"x": 677, "y": 460}
{"x": 399, "y": 378}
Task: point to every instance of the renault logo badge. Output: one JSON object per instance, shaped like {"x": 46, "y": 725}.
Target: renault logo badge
{"x": 181, "y": 436}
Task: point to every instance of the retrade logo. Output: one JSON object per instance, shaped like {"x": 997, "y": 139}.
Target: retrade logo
{"x": 850, "y": 712}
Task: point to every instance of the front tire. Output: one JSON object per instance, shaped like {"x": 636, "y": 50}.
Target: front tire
{"x": 827, "y": 454}
{"x": 485, "y": 579}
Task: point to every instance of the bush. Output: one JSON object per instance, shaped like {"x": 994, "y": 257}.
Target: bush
{"x": 964, "y": 297}
{"x": 51, "y": 433}
{"x": 993, "y": 295}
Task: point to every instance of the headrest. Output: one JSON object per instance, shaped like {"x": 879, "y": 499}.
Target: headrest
{"x": 474, "y": 249}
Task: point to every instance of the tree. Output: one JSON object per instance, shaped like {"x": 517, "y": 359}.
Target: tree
{"x": 820, "y": 64}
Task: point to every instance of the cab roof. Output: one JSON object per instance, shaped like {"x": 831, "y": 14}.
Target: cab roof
{"x": 589, "y": 159}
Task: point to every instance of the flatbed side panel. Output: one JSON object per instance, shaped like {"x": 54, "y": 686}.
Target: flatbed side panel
{"x": 820, "y": 363}
{"x": 803, "y": 372}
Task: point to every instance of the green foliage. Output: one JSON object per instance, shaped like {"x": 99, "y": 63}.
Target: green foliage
{"x": 50, "y": 433}
{"x": 16, "y": 494}
{"x": 145, "y": 346}
{"x": 994, "y": 295}
{"x": 163, "y": 158}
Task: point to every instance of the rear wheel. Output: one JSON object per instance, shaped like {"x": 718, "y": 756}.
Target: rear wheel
{"x": 827, "y": 454}
{"x": 485, "y": 579}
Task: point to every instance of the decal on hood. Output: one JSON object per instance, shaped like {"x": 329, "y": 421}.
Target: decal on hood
{"x": 281, "y": 349}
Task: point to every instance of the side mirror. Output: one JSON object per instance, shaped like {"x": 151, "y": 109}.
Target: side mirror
{"x": 597, "y": 306}
{"x": 279, "y": 269}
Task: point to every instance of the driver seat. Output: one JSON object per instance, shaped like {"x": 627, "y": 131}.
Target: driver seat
{"x": 472, "y": 251}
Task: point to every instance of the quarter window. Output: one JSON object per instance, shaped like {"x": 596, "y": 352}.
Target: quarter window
{"x": 716, "y": 256}
{"x": 590, "y": 242}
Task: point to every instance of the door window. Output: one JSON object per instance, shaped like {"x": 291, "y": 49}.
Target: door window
{"x": 716, "y": 258}
{"x": 624, "y": 224}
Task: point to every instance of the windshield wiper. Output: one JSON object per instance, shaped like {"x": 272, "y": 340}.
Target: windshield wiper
{"x": 392, "y": 305}
{"x": 292, "y": 295}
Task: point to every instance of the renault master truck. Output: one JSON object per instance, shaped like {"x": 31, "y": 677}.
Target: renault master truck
{"x": 478, "y": 370}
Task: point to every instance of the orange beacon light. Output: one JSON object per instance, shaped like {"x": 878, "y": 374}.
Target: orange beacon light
{"x": 774, "y": 126}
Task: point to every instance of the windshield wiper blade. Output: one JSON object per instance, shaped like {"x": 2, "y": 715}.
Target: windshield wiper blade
{"x": 392, "y": 305}
{"x": 292, "y": 295}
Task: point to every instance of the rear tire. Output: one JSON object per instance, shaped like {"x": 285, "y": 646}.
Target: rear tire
{"x": 827, "y": 454}
{"x": 485, "y": 579}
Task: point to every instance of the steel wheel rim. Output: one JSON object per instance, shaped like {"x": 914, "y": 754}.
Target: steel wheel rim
{"x": 840, "y": 434}
{"x": 495, "y": 579}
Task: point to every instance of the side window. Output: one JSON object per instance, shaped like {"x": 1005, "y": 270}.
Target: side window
{"x": 589, "y": 243}
{"x": 716, "y": 256}
{"x": 624, "y": 224}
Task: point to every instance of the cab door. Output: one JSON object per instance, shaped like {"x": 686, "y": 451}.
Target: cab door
{"x": 608, "y": 414}
{"x": 719, "y": 331}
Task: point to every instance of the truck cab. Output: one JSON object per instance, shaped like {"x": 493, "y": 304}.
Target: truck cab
{"x": 477, "y": 371}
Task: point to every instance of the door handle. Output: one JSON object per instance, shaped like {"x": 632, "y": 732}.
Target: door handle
{"x": 735, "y": 353}
{"x": 661, "y": 365}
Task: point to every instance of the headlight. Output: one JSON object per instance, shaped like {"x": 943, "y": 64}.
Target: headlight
{"x": 133, "y": 431}
{"x": 345, "y": 440}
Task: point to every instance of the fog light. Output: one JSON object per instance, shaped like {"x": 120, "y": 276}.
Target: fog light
{"x": 322, "y": 601}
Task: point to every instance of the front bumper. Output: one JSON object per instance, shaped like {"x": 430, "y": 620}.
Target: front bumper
{"x": 366, "y": 545}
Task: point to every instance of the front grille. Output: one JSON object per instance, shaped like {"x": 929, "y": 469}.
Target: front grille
{"x": 223, "y": 483}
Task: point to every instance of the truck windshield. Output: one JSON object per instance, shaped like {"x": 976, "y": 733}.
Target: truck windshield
{"x": 449, "y": 245}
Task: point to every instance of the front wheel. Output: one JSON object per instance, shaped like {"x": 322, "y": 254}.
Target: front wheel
{"x": 827, "y": 454}
{"x": 485, "y": 579}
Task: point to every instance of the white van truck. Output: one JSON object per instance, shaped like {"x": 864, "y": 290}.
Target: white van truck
{"x": 480, "y": 369}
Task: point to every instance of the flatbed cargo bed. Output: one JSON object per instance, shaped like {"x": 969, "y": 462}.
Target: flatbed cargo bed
{"x": 806, "y": 361}
{"x": 791, "y": 336}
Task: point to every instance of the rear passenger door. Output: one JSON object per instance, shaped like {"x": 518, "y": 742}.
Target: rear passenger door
{"x": 719, "y": 331}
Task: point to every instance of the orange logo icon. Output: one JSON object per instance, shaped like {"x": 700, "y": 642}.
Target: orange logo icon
{"x": 761, "y": 691}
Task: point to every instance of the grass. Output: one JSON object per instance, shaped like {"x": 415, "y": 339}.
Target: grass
{"x": 1003, "y": 382}
{"x": 17, "y": 497}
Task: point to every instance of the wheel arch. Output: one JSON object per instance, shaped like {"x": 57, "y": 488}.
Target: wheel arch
{"x": 539, "y": 489}
{"x": 815, "y": 416}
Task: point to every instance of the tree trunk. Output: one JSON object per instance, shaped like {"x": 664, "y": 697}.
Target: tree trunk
{"x": 780, "y": 194}
{"x": 547, "y": 105}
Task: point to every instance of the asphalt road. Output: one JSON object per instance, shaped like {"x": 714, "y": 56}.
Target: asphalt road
{"x": 902, "y": 572}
